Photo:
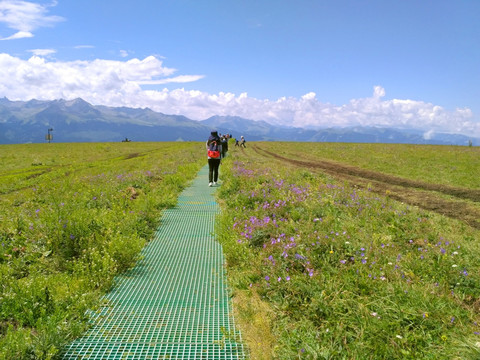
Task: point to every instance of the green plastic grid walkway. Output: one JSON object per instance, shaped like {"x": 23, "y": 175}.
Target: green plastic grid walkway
{"x": 174, "y": 304}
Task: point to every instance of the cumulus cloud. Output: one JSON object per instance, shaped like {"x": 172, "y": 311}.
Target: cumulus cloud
{"x": 99, "y": 81}
{"x": 378, "y": 92}
{"x": 25, "y": 17}
{"x": 119, "y": 83}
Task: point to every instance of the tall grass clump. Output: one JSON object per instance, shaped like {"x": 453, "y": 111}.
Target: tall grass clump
{"x": 343, "y": 273}
{"x": 78, "y": 215}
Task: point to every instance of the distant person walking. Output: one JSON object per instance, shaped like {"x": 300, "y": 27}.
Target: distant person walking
{"x": 242, "y": 141}
{"x": 214, "y": 155}
{"x": 224, "y": 145}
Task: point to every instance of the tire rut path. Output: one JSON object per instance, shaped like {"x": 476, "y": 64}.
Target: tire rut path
{"x": 412, "y": 192}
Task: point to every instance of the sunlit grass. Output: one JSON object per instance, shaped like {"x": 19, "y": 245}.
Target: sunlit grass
{"x": 319, "y": 268}
{"x": 447, "y": 165}
{"x": 345, "y": 272}
{"x": 72, "y": 216}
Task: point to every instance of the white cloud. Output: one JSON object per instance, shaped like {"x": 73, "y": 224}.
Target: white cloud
{"x": 428, "y": 135}
{"x": 99, "y": 81}
{"x": 84, "y": 47}
{"x": 119, "y": 83}
{"x": 25, "y": 17}
{"x": 19, "y": 35}
{"x": 177, "y": 79}
{"x": 378, "y": 92}
{"x": 123, "y": 53}
{"x": 309, "y": 96}
{"x": 42, "y": 52}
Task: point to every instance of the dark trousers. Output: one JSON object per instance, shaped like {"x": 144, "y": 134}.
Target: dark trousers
{"x": 213, "y": 165}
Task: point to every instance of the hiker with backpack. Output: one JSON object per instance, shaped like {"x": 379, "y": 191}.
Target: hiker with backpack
{"x": 214, "y": 155}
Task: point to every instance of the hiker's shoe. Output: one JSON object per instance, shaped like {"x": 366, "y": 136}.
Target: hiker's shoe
{"x": 210, "y": 184}
{"x": 214, "y": 183}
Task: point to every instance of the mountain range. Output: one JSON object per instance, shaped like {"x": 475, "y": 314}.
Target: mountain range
{"x": 78, "y": 121}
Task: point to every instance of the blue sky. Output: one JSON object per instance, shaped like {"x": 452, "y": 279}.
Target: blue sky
{"x": 311, "y": 63}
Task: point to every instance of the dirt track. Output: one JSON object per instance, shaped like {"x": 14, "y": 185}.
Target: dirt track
{"x": 417, "y": 193}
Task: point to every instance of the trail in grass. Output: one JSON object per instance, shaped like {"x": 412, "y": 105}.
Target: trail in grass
{"x": 174, "y": 304}
{"x": 412, "y": 192}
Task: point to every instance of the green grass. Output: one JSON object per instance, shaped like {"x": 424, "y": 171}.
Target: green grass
{"x": 72, "y": 216}
{"x": 344, "y": 272}
{"x": 446, "y": 165}
{"x": 320, "y": 269}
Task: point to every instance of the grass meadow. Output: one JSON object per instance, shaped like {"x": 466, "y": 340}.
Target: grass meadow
{"x": 437, "y": 164}
{"x": 72, "y": 216}
{"x": 333, "y": 251}
{"x": 324, "y": 266}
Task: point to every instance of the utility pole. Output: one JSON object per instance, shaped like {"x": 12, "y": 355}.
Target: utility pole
{"x": 49, "y": 136}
